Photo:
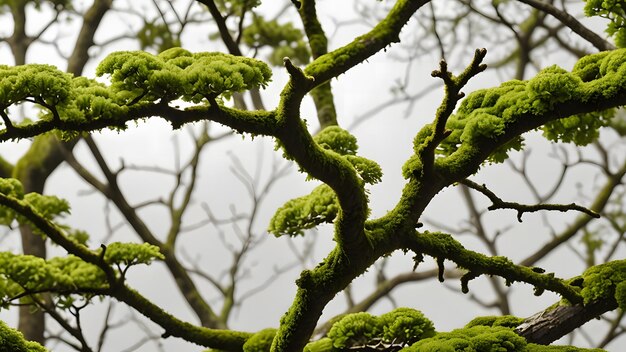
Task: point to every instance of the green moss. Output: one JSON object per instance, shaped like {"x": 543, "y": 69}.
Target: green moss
{"x": 131, "y": 253}
{"x": 401, "y": 326}
{"x": 297, "y": 215}
{"x": 489, "y": 114}
{"x": 507, "y": 321}
{"x": 473, "y": 339}
{"x": 605, "y": 281}
{"x": 322, "y": 345}
{"x": 406, "y": 325}
{"x": 261, "y": 341}
{"x": 355, "y": 329}
{"x": 338, "y": 140}
{"x": 13, "y": 340}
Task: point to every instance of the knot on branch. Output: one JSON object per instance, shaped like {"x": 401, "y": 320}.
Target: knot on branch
{"x": 296, "y": 73}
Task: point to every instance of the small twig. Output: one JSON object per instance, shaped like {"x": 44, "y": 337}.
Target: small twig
{"x": 498, "y": 203}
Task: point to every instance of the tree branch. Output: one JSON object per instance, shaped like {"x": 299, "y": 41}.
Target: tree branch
{"x": 523, "y": 208}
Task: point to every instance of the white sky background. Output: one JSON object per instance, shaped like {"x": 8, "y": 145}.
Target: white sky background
{"x": 386, "y": 138}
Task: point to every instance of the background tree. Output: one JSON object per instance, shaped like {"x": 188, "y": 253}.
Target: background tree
{"x": 446, "y": 153}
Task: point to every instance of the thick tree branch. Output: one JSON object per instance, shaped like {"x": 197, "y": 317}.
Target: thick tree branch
{"x": 557, "y": 321}
{"x": 258, "y": 122}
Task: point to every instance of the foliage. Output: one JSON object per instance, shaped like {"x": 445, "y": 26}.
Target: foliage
{"x": 613, "y": 10}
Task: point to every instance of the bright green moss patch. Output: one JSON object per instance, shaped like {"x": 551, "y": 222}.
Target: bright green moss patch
{"x": 179, "y": 74}
{"x": 401, "y": 326}
{"x": 22, "y": 273}
{"x": 297, "y": 215}
{"x": 507, "y": 321}
{"x": 338, "y": 140}
{"x": 474, "y": 339}
{"x": 480, "y": 338}
{"x": 13, "y": 340}
{"x": 261, "y": 341}
{"x": 131, "y": 253}
{"x": 321, "y": 345}
{"x": 604, "y": 281}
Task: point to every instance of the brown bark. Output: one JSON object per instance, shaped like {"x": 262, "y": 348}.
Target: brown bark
{"x": 555, "y": 322}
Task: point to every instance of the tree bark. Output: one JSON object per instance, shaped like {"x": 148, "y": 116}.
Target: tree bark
{"x": 553, "y": 323}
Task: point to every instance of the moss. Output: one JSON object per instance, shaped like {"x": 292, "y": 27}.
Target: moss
{"x": 401, "y": 326}
{"x": 261, "y": 341}
{"x": 354, "y": 329}
{"x": 13, "y": 340}
{"x": 297, "y": 215}
{"x": 406, "y": 325}
{"x": 322, "y": 345}
{"x": 473, "y": 339}
{"x": 507, "y": 321}
{"x": 489, "y": 114}
{"x": 605, "y": 281}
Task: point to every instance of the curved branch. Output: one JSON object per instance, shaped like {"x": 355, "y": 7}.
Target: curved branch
{"x": 382, "y": 35}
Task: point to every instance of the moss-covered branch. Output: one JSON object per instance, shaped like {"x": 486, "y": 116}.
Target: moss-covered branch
{"x": 222, "y": 339}
{"x": 443, "y": 246}
{"x": 325, "y": 165}
{"x": 361, "y": 48}
{"x": 322, "y": 95}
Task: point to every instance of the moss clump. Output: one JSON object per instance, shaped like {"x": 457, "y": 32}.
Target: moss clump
{"x": 13, "y": 340}
{"x": 406, "y": 325}
{"x": 605, "y": 281}
{"x": 261, "y": 341}
{"x": 401, "y": 326}
{"x": 508, "y": 321}
{"x": 479, "y": 338}
{"x": 297, "y": 215}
